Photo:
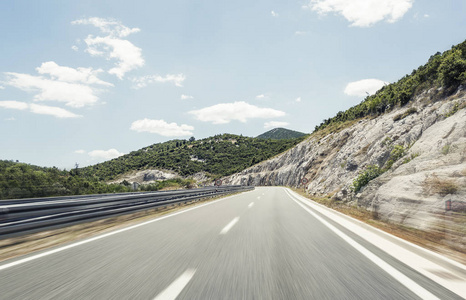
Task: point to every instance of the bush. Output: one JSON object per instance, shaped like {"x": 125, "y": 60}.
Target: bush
{"x": 446, "y": 149}
{"x": 373, "y": 171}
{"x": 452, "y": 69}
{"x": 397, "y": 152}
{"x": 435, "y": 185}
{"x": 363, "y": 179}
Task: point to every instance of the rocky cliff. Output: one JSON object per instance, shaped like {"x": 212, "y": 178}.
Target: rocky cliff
{"x": 404, "y": 165}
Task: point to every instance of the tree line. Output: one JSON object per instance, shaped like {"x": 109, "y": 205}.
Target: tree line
{"x": 443, "y": 70}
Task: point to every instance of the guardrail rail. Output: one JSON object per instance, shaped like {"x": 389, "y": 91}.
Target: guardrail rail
{"x": 21, "y": 216}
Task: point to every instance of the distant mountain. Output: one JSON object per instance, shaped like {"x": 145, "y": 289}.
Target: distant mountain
{"x": 219, "y": 155}
{"x": 281, "y": 134}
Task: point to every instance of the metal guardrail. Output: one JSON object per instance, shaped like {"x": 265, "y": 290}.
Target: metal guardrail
{"x": 18, "y": 216}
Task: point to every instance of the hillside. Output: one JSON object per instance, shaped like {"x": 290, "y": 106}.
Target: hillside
{"x": 162, "y": 165}
{"x": 219, "y": 155}
{"x": 400, "y": 154}
{"x": 281, "y": 134}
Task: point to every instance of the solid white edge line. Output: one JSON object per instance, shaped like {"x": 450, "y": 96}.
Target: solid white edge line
{"x": 36, "y": 256}
{"x": 174, "y": 289}
{"x": 426, "y": 251}
{"x": 229, "y": 226}
{"x": 400, "y": 277}
{"x": 421, "y": 264}
{"x": 251, "y": 204}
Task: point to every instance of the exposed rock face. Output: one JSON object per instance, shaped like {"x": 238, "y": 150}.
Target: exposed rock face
{"x": 202, "y": 178}
{"x": 413, "y": 191}
{"x": 152, "y": 175}
{"x": 147, "y": 176}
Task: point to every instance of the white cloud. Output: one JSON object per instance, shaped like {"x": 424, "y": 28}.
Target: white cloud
{"x": 426, "y": 16}
{"x": 275, "y": 124}
{"x": 128, "y": 56}
{"x": 74, "y": 48}
{"x": 298, "y": 99}
{"x": 80, "y": 151}
{"x": 261, "y": 96}
{"x": 241, "y": 111}
{"x": 14, "y": 105}
{"x": 363, "y": 87}
{"x": 112, "y": 46}
{"x": 10, "y": 119}
{"x": 39, "y": 109}
{"x": 67, "y": 74}
{"x": 73, "y": 94}
{"x": 143, "y": 81}
{"x": 186, "y": 97}
{"x": 300, "y": 32}
{"x": 363, "y": 13}
{"x": 274, "y": 14}
{"x": 105, "y": 154}
{"x": 161, "y": 127}
{"x": 110, "y": 26}
{"x": 52, "y": 111}
{"x": 2, "y": 87}
{"x": 62, "y": 84}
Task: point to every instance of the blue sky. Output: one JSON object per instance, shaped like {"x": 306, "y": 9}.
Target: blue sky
{"x": 86, "y": 81}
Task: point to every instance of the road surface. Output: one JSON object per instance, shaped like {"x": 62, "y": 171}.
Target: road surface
{"x": 263, "y": 244}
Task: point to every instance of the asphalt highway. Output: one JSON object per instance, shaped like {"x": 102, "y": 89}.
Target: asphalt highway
{"x": 262, "y": 244}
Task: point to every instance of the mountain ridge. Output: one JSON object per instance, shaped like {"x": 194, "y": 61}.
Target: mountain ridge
{"x": 280, "y": 133}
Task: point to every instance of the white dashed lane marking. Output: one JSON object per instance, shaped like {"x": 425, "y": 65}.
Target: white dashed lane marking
{"x": 229, "y": 225}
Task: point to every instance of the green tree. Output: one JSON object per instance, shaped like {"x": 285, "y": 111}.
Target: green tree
{"x": 452, "y": 69}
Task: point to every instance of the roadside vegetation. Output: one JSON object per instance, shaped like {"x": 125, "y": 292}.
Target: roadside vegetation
{"x": 374, "y": 171}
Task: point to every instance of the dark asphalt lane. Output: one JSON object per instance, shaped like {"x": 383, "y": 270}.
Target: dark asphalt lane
{"x": 275, "y": 250}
